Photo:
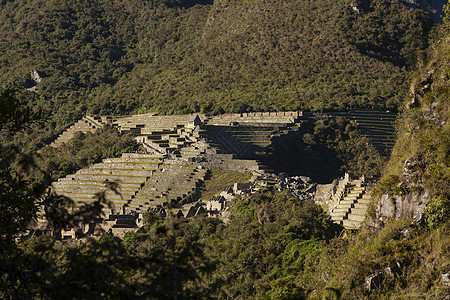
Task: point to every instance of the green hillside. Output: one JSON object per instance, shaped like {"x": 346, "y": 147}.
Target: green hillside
{"x": 116, "y": 57}
{"x": 179, "y": 56}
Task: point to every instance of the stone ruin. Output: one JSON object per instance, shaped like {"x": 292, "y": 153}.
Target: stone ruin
{"x": 166, "y": 179}
{"x": 178, "y": 152}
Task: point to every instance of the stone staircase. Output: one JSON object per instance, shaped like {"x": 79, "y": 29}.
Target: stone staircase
{"x": 351, "y": 207}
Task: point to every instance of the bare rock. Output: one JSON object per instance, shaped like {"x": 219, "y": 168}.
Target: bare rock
{"x": 374, "y": 281}
{"x": 415, "y": 102}
{"x": 445, "y": 279}
{"x": 432, "y": 115}
{"x": 393, "y": 270}
{"x": 396, "y": 207}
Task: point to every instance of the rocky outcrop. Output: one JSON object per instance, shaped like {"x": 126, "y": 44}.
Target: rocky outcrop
{"x": 374, "y": 281}
{"x": 396, "y": 207}
{"x": 35, "y": 79}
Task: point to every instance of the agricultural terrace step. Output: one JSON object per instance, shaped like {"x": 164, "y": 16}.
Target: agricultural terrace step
{"x": 115, "y": 205}
{"x": 351, "y": 224}
{"x": 119, "y": 182}
{"x": 145, "y": 206}
{"x": 373, "y": 127}
{"x": 378, "y": 119}
{"x": 90, "y": 191}
{"x": 142, "y": 160}
{"x": 381, "y": 117}
{"x": 170, "y": 183}
{"x": 148, "y": 201}
{"x": 146, "y": 193}
{"x": 92, "y": 184}
{"x": 92, "y": 198}
{"x": 373, "y": 124}
{"x": 126, "y": 166}
{"x": 178, "y": 177}
{"x": 110, "y": 177}
{"x": 114, "y": 171}
{"x": 339, "y": 214}
{"x": 153, "y": 187}
{"x": 165, "y": 188}
{"x": 359, "y": 213}
{"x": 356, "y": 217}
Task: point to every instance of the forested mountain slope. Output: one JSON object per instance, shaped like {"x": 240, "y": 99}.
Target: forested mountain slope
{"x": 116, "y": 57}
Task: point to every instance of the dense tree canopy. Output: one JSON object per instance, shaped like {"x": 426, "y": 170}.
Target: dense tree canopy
{"x": 116, "y": 57}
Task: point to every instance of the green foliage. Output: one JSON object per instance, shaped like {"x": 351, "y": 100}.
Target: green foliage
{"x": 421, "y": 254}
{"x": 38, "y": 270}
{"x": 437, "y": 212}
{"x": 16, "y": 115}
{"x": 421, "y": 156}
{"x": 447, "y": 12}
{"x": 185, "y": 56}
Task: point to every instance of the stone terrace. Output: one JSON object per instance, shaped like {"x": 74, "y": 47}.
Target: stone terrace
{"x": 86, "y": 124}
{"x": 131, "y": 172}
{"x": 248, "y": 133}
{"x": 179, "y": 155}
{"x": 145, "y": 182}
{"x": 161, "y": 134}
{"x": 378, "y": 126}
{"x": 256, "y": 118}
{"x": 171, "y": 183}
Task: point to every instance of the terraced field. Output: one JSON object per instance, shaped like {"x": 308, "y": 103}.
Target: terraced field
{"x": 378, "y": 126}
{"x": 145, "y": 181}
